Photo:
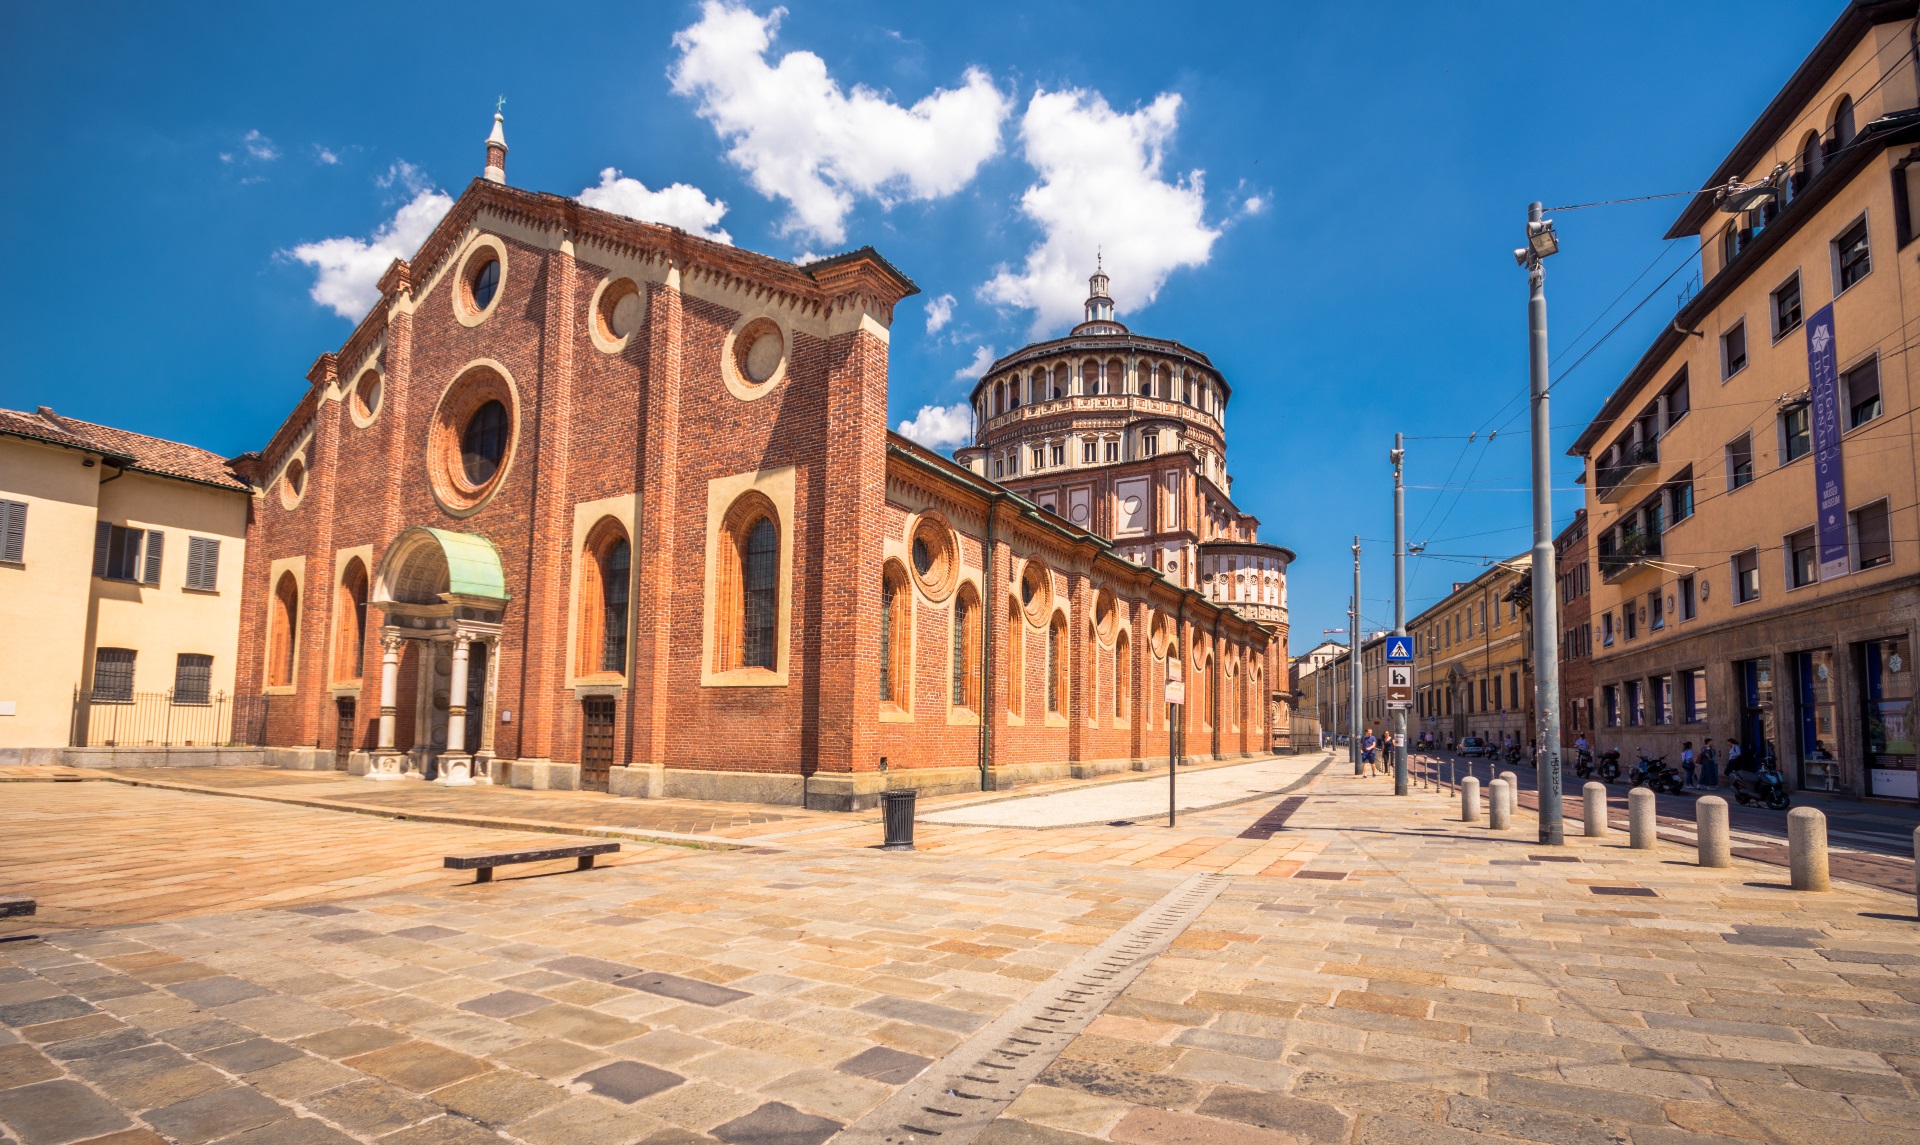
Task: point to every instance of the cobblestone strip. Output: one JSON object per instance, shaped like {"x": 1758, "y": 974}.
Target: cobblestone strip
{"x": 955, "y": 1099}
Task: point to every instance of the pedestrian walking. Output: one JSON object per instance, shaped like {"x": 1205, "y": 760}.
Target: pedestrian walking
{"x": 1686, "y": 762}
{"x": 1709, "y": 767}
{"x": 1733, "y": 759}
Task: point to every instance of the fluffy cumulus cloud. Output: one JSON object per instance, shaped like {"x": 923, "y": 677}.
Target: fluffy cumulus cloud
{"x": 679, "y": 205}
{"x": 1101, "y": 189}
{"x": 347, "y": 270}
{"x": 939, "y": 313}
{"x": 801, "y": 137}
{"x": 940, "y": 427}
{"x": 977, "y": 367}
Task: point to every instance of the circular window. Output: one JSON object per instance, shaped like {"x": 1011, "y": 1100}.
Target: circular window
{"x": 618, "y": 310}
{"x": 1105, "y": 614}
{"x": 293, "y": 482}
{"x": 755, "y": 358}
{"x": 485, "y": 283}
{"x": 483, "y": 443}
{"x": 471, "y": 441}
{"x": 366, "y": 397}
{"x": 1157, "y": 637}
{"x": 932, "y": 556}
{"x": 1036, "y": 592}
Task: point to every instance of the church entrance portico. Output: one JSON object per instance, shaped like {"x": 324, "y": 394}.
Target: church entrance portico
{"x": 444, "y": 592}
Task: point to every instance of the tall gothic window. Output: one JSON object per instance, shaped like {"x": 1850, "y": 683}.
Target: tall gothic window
{"x": 746, "y": 633}
{"x": 283, "y": 631}
{"x": 350, "y": 649}
{"x": 966, "y": 650}
{"x": 606, "y": 578}
{"x": 896, "y": 637}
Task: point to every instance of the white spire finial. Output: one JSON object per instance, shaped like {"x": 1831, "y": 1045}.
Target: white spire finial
{"x": 496, "y": 171}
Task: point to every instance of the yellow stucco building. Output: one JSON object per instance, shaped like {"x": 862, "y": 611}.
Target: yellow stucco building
{"x": 121, "y": 558}
{"x": 1751, "y": 483}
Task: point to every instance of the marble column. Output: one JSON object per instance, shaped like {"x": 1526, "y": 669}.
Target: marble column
{"x": 456, "y": 766}
{"x": 386, "y": 759}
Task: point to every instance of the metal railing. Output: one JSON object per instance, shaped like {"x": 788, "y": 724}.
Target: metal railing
{"x": 151, "y": 719}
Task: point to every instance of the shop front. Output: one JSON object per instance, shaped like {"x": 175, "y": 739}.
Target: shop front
{"x": 1886, "y": 699}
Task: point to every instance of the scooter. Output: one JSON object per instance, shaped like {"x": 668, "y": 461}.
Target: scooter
{"x": 1769, "y": 787}
{"x": 1583, "y": 764}
{"x": 1609, "y": 768}
{"x": 1513, "y": 754}
{"x": 1655, "y": 774}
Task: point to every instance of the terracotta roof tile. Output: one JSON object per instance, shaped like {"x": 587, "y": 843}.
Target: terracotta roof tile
{"x": 145, "y": 454}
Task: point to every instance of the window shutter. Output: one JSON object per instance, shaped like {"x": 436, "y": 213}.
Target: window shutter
{"x": 203, "y": 563}
{"x": 102, "y": 537}
{"x": 13, "y": 530}
{"x": 156, "y": 545}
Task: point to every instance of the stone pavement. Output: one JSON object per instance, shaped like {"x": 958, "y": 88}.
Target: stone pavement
{"x": 1136, "y": 799}
{"x": 1393, "y": 976}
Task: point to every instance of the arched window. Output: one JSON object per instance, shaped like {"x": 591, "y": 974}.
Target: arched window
{"x": 1057, "y": 666}
{"x": 896, "y": 637}
{"x": 606, "y": 579}
{"x": 1016, "y": 659}
{"x": 1000, "y": 398}
{"x": 1089, "y": 376}
{"x": 1808, "y": 165}
{"x": 1115, "y": 377}
{"x": 1146, "y": 380}
{"x": 1843, "y": 122}
{"x": 283, "y": 631}
{"x": 1060, "y": 382}
{"x": 746, "y": 633}
{"x": 966, "y": 650}
{"x": 1208, "y": 691}
{"x": 1122, "y": 676}
{"x": 350, "y": 645}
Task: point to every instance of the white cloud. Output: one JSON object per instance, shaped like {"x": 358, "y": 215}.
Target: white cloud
{"x": 347, "y": 270}
{"x": 1254, "y": 205}
{"x": 800, "y": 137}
{"x": 940, "y": 427}
{"x": 260, "y": 147}
{"x": 324, "y": 155}
{"x": 1101, "y": 190}
{"x": 679, "y": 205}
{"x": 939, "y": 313}
{"x": 971, "y": 372}
{"x": 406, "y": 175}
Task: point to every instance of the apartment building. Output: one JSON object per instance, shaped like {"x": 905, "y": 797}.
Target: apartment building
{"x": 1750, "y": 484}
{"x": 1573, "y": 569}
{"x": 1473, "y": 673}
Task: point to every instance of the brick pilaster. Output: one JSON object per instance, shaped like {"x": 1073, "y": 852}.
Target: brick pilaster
{"x": 657, "y": 477}
{"x": 315, "y": 670}
{"x": 549, "y": 529}
{"x": 854, "y": 480}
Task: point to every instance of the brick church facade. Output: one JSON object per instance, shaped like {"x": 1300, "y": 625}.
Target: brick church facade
{"x": 588, "y": 501}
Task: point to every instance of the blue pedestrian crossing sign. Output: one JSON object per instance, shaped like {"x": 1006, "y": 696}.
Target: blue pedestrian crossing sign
{"x": 1399, "y": 649}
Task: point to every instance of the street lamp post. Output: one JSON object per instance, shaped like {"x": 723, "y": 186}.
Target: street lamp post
{"x": 1353, "y": 657}
{"x": 1541, "y": 243}
{"x": 1399, "y": 608}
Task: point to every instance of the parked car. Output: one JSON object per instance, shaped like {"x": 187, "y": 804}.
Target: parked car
{"x": 1474, "y": 745}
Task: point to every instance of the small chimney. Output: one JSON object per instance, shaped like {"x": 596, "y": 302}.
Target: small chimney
{"x": 496, "y": 171}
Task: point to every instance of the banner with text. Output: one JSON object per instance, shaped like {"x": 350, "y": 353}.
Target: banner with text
{"x": 1829, "y": 482}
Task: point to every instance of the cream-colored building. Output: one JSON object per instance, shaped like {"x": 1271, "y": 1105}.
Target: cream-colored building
{"x": 121, "y": 559}
{"x": 1473, "y": 659}
{"x": 1751, "y": 484}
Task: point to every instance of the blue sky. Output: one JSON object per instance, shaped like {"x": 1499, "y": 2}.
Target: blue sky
{"x": 1322, "y": 197}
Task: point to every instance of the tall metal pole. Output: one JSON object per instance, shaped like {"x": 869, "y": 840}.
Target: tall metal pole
{"x": 1399, "y": 608}
{"x": 1353, "y": 655}
{"x": 1546, "y": 619}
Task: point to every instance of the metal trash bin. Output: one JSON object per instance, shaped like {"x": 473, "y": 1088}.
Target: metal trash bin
{"x": 897, "y": 809}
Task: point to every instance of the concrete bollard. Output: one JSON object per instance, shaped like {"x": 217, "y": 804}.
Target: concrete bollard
{"x": 1513, "y": 793}
{"x": 1710, "y": 824}
{"x": 1807, "y": 849}
{"x": 1500, "y": 805}
{"x": 1640, "y": 827}
{"x": 1470, "y": 799}
{"x": 1593, "y": 802}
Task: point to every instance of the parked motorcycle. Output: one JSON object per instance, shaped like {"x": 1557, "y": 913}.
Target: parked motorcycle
{"x": 1655, "y": 774}
{"x": 1609, "y": 768}
{"x": 1767, "y": 787}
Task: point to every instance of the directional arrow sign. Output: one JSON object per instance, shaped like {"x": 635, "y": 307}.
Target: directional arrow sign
{"x": 1399, "y": 649}
{"x": 1399, "y": 683}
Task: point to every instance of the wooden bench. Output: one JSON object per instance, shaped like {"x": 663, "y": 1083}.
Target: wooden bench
{"x": 484, "y": 864}
{"x": 17, "y": 906}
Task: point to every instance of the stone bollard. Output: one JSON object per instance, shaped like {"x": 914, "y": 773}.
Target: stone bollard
{"x": 1499, "y": 805}
{"x": 1513, "y": 793}
{"x": 1593, "y": 802}
{"x": 1640, "y": 827}
{"x": 1807, "y": 849}
{"x": 1710, "y": 824}
{"x": 1470, "y": 799}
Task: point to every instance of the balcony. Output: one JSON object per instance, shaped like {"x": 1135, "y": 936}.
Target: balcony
{"x": 1636, "y": 553}
{"x": 1635, "y": 460}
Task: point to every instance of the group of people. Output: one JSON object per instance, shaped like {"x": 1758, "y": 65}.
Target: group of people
{"x": 1700, "y": 769}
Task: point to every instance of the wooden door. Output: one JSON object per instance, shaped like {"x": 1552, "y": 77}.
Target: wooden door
{"x": 344, "y": 732}
{"x": 596, "y": 742}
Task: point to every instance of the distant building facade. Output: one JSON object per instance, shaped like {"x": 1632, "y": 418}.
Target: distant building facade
{"x": 1473, "y": 668}
{"x": 1574, "y": 569}
{"x": 1751, "y": 492}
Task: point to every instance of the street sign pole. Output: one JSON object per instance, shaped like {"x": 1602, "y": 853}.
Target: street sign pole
{"x": 1399, "y": 609}
{"x": 1546, "y": 619}
{"x": 1354, "y": 643}
{"x": 1176, "y": 699}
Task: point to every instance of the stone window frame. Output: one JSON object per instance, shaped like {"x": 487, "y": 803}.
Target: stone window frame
{"x": 364, "y": 412}
{"x": 607, "y": 296}
{"x": 1122, "y": 682}
{"x": 1059, "y": 677}
{"x": 281, "y": 628}
{"x": 964, "y": 636}
{"x": 350, "y": 619}
{"x": 733, "y": 503}
{"x": 733, "y": 351}
{"x": 896, "y": 642}
{"x": 589, "y": 629}
{"x": 460, "y": 297}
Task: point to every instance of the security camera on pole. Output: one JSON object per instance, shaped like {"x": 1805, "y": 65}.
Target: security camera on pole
{"x": 1541, "y": 243}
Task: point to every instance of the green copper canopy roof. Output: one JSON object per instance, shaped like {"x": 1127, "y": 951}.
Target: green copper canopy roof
{"x": 473, "y": 564}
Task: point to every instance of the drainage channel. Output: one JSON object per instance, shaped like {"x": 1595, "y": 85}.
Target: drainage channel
{"x": 954, "y": 1099}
